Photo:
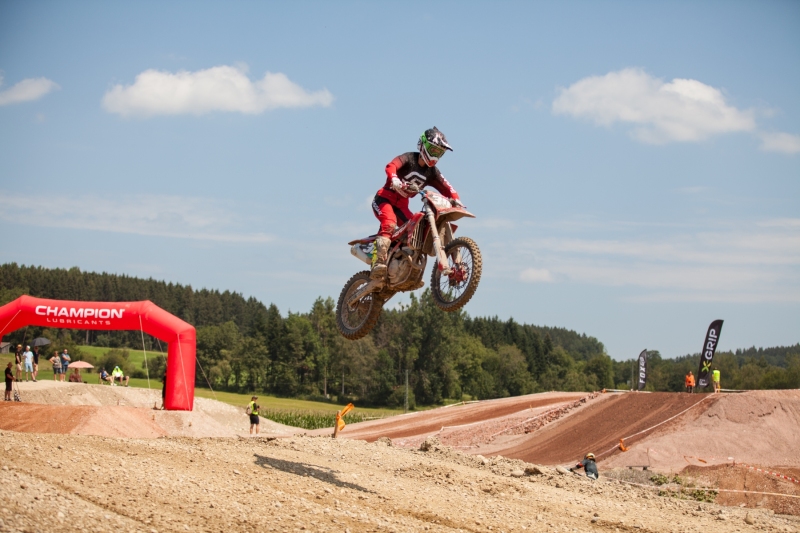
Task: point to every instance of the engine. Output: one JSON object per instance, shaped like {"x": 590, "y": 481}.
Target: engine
{"x": 399, "y": 268}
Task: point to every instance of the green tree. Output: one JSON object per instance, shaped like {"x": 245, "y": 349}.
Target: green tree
{"x": 603, "y": 369}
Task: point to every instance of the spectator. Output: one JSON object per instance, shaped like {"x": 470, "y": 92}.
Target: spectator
{"x": 164, "y": 389}
{"x": 28, "y": 356}
{"x": 104, "y": 376}
{"x": 252, "y": 410}
{"x": 715, "y": 379}
{"x": 118, "y": 374}
{"x": 689, "y": 380}
{"x": 35, "y": 362}
{"x": 75, "y": 377}
{"x": 57, "y": 369}
{"x": 589, "y": 465}
{"x": 65, "y": 359}
{"x": 18, "y": 361}
{"x": 9, "y": 382}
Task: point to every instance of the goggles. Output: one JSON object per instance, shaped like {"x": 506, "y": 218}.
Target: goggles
{"x": 433, "y": 150}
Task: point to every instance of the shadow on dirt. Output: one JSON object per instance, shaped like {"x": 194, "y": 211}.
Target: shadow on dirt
{"x": 301, "y": 469}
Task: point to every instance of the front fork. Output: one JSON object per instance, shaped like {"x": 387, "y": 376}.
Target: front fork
{"x": 444, "y": 265}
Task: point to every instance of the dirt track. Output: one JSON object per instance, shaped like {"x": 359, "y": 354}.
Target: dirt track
{"x": 599, "y": 426}
{"x": 60, "y": 483}
{"x": 757, "y": 427}
{"x": 424, "y": 423}
{"x": 82, "y": 409}
{"x": 186, "y": 481}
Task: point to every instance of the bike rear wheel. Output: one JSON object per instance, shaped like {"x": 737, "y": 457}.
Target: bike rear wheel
{"x": 452, "y": 292}
{"x": 357, "y": 320}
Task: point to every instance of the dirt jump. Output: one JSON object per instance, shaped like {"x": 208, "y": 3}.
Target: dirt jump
{"x": 114, "y": 464}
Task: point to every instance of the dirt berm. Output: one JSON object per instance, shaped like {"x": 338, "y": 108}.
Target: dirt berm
{"x": 87, "y": 409}
{"x": 599, "y": 426}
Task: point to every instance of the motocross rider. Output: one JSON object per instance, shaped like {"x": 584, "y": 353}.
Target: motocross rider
{"x": 406, "y": 175}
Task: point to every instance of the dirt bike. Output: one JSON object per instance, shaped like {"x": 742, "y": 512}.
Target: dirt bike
{"x": 454, "y": 279}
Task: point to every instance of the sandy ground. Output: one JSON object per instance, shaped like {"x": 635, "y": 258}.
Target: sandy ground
{"x": 757, "y": 427}
{"x": 103, "y": 410}
{"x": 97, "y": 458}
{"x": 60, "y": 483}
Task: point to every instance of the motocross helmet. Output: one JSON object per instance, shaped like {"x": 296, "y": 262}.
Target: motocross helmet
{"x": 432, "y": 145}
{"x": 589, "y": 455}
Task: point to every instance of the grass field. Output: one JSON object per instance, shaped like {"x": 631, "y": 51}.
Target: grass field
{"x": 135, "y": 357}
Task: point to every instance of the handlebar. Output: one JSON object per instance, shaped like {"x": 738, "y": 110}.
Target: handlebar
{"x": 424, "y": 197}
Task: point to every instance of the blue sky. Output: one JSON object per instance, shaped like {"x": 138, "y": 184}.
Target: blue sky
{"x": 634, "y": 166}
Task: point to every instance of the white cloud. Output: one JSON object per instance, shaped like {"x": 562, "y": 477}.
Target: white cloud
{"x": 680, "y": 110}
{"x": 737, "y": 262}
{"x": 754, "y": 248}
{"x": 780, "y": 142}
{"x": 780, "y": 223}
{"x": 223, "y": 88}
{"x": 536, "y": 275}
{"x": 153, "y": 215}
{"x": 27, "y": 90}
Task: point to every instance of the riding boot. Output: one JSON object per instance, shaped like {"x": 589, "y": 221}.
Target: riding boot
{"x": 380, "y": 257}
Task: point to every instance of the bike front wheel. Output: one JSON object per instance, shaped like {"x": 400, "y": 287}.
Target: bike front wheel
{"x": 453, "y": 291}
{"x": 357, "y": 320}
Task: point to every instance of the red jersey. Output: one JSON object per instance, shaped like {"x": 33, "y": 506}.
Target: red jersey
{"x": 405, "y": 169}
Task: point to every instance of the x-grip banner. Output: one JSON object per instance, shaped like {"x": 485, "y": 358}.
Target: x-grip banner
{"x": 145, "y": 316}
{"x": 707, "y": 355}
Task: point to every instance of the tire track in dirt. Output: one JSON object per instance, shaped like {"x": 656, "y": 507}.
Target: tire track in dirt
{"x": 427, "y": 422}
{"x": 599, "y": 426}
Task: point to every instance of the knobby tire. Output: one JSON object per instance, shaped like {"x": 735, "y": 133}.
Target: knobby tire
{"x": 444, "y": 301}
{"x": 370, "y": 307}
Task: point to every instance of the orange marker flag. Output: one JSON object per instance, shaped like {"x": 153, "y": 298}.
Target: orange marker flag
{"x": 340, "y": 416}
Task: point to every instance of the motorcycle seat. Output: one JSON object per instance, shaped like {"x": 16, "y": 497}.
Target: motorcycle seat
{"x": 367, "y": 240}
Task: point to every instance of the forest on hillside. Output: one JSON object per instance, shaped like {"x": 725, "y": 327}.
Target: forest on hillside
{"x": 245, "y": 345}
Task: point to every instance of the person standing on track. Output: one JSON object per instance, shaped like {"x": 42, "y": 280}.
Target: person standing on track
{"x": 28, "y": 356}
{"x": 589, "y": 466}
{"x": 406, "y": 175}
{"x": 689, "y": 382}
{"x": 56, "y": 360}
{"x": 164, "y": 388}
{"x": 715, "y": 378}
{"x": 18, "y": 361}
{"x": 35, "y": 362}
{"x": 9, "y": 382}
{"x": 252, "y": 410}
{"x": 65, "y": 360}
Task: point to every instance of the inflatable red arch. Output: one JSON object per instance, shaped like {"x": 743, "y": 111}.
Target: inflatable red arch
{"x": 139, "y": 316}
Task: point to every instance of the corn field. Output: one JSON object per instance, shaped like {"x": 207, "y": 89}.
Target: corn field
{"x": 313, "y": 419}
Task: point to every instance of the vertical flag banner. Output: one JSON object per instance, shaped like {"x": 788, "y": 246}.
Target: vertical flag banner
{"x": 707, "y": 354}
{"x": 642, "y": 369}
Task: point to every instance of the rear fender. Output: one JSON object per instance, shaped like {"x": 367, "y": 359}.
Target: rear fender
{"x": 365, "y": 240}
{"x": 398, "y": 232}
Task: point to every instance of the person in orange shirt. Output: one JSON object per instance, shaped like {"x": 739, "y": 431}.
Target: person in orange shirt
{"x": 689, "y": 382}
